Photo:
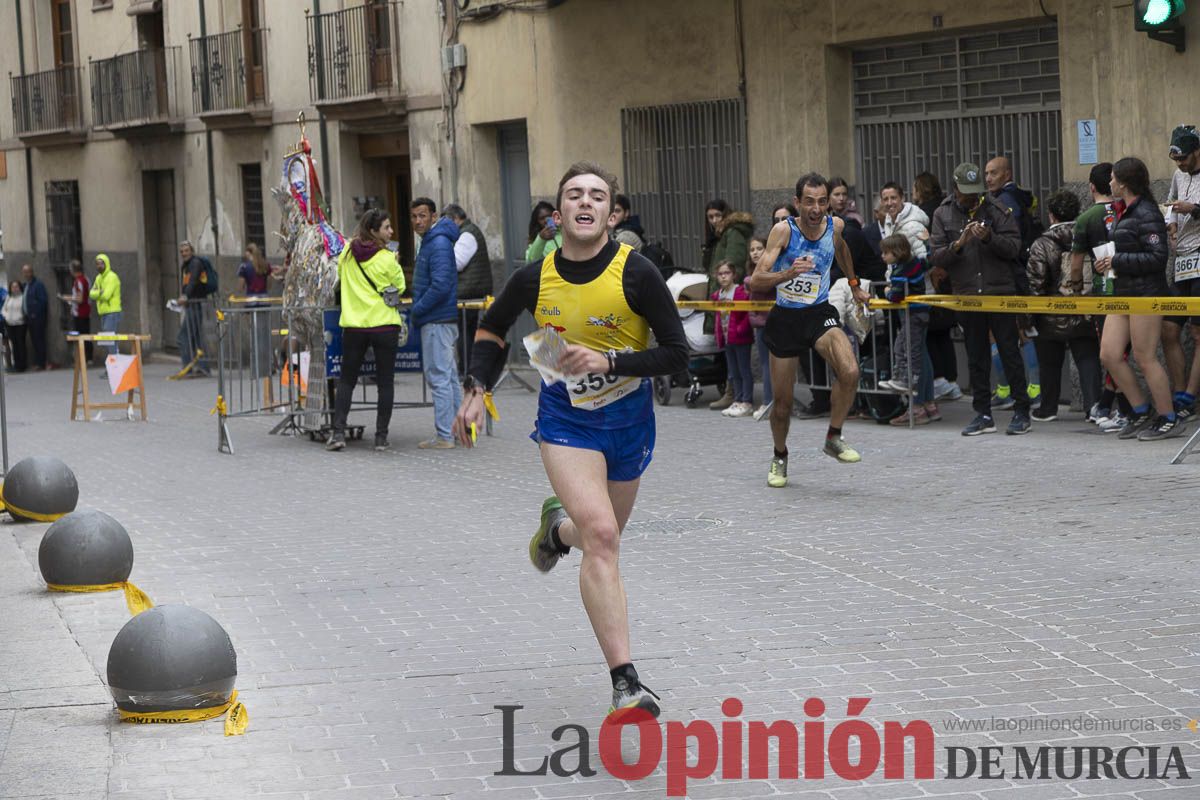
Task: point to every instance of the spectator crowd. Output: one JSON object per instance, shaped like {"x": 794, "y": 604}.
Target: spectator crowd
{"x": 986, "y": 236}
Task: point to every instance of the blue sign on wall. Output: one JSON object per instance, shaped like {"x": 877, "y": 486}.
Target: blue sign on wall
{"x": 408, "y": 357}
{"x": 1086, "y": 128}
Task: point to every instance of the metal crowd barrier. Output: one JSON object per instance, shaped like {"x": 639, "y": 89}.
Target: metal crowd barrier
{"x": 268, "y": 364}
{"x": 875, "y": 363}
{"x": 1005, "y": 304}
{"x": 197, "y": 335}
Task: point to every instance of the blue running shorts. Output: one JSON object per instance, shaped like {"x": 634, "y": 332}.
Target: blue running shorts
{"x": 627, "y": 450}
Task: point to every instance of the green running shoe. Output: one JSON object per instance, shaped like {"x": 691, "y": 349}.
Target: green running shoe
{"x": 542, "y": 552}
{"x": 777, "y": 474}
{"x": 841, "y": 451}
{"x": 627, "y": 696}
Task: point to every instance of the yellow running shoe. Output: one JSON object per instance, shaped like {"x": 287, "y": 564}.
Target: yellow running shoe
{"x": 841, "y": 451}
{"x": 777, "y": 474}
{"x": 542, "y": 552}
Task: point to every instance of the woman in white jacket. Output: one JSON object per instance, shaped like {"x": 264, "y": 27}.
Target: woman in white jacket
{"x": 904, "y": 218}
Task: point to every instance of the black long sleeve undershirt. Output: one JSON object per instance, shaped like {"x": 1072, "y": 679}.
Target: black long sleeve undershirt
{"x": 645, "y": 291}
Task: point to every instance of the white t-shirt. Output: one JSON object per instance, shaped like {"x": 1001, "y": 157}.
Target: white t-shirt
{"x": 1185, "y": 187}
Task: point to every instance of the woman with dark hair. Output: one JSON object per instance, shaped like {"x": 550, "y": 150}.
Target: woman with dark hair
{"x": 841, "y": 204}
{"x": 544, "y": 235}
{"x": 714, "y": 214}
{"x": 1139, "y": 266}
{"x": 782, "y": 211}
{"x": 927, "y": 193}
{"x": 1057, "y": 333}
{"x": 371, "y": 282}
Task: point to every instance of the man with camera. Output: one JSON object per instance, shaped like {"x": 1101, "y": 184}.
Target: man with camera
{"x": 435, "y": 314}
{"x": 976, "y": 242}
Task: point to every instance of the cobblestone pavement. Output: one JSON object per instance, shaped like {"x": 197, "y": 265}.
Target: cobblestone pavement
{"x": 382, "y": 605}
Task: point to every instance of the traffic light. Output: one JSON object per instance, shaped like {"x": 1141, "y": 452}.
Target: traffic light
{"x": 1161, "y": 20}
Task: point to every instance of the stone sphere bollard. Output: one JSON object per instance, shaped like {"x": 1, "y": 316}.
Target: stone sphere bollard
{"x": 171, "y": 658}
{"x": 40, "y": 489}
{"x": 85, "y": 548}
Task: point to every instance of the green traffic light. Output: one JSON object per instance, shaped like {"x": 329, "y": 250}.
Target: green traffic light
{"x": 1157, "y": 12}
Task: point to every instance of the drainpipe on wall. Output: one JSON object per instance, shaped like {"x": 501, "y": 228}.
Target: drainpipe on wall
{"x": 741, "y": 67}
{"x": 212, "y": 183}
{"x": 326, "y": 187}
{"x": 28, "y": 150}
{"x": 449, "y": 102}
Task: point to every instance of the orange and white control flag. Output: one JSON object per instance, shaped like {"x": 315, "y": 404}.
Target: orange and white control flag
{"x": 124, "y": 373}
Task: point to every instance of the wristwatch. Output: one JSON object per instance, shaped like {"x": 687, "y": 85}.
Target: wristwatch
{"x": 853, "y": 282}
{"x": 470, "y": 385}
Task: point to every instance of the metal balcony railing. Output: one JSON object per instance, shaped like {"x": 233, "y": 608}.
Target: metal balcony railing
{"x": 135, "y": 88}
{"x": 229, "y": 70}
{"x": 47, "y": 101}
{"x": 352, "y": 53}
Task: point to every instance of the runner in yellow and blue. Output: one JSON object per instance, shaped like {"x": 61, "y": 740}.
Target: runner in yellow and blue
{"x": 595, "y": 427}
{"x": 796, "y": 265}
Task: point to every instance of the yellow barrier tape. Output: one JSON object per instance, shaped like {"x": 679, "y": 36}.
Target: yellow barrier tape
{"x": 220, "y": 315}
{"x": 273, "y": 301}
{"x": 727, "y": 305}
{"x": 236, "y": 716}
{"x": 136, "y": 600}
{"x": 1161, "y": 306}
{"x": 111, "y": 337}
{"x": 20, "y": 512}
{"x": 490, "y": 405}
{"x": 1088, "y": 304}
{"x": 220, "y": 408}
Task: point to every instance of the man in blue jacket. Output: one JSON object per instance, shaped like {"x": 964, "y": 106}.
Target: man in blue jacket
{"x": 36, "y": 305}
{"x": 435, "y": 314}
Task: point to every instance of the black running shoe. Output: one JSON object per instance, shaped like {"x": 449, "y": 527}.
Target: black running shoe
{"x": 635, "y": 695}
{"x": 980, "y": 425}
{"x": 1162, "y": 428}
{"x": 1135, "y": 425}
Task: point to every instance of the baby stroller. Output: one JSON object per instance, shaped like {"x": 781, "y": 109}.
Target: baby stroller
{"x": 706, "y": 362}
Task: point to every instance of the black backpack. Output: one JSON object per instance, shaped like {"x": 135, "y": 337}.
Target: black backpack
{"x": 659, "y": 256}
{"x": 208, "y": 276}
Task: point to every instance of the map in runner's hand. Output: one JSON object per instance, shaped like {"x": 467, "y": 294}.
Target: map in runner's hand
{"x": 547, "y": 348}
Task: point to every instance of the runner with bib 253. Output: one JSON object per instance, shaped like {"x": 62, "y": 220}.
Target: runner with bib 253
{"x": 797, "y": 262}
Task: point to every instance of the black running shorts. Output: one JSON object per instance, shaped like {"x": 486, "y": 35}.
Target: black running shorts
{"x": 791, "y": 331}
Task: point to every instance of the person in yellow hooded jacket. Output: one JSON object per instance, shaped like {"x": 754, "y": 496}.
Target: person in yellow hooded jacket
{"x": 106, "y": 293}
{"x": 369, "y": 276}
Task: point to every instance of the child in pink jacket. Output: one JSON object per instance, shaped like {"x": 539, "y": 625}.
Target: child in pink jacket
{"x": 735, "y": 335}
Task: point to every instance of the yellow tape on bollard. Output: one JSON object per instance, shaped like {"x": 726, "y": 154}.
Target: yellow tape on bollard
{"x": 236, "y": 716}
{"x": 220, "y": 408}
{"x": 136, "y": 600}
{"x": 490, "y": 405}
{"x": 20, "y": 512}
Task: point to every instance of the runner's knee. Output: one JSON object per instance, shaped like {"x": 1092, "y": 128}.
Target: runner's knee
{"x": 600, "y": 537}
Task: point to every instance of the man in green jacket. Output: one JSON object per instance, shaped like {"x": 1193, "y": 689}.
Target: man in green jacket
{"x": 106, "y": 293}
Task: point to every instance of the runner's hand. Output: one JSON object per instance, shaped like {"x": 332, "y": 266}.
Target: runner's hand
{"x": 469, "y": 413}
{"x": 580, "y": 360}
{"x": 1183, "y": 207}
{"x": 860, "y": 296}
{"x": 1102, "y": 265}
{"x": 803, "y": 264}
